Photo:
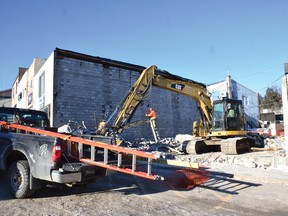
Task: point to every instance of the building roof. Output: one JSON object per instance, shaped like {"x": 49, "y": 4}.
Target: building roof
{"x": 7, "y": 102}
{"x": 233, "y": 81}
{"x": 6, "y": 94}
{"x": 60, "y": 53}
{"x": 216, "y": 83}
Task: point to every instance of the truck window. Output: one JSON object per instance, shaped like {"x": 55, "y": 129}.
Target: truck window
{"x": 31, "y": 118}
{"x": 34, "y": 119}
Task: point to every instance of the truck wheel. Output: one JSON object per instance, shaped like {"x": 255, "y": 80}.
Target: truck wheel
{"x": 18, "y": 179}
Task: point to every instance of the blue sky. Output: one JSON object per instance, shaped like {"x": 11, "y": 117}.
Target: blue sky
{"x": 199, "y": 40}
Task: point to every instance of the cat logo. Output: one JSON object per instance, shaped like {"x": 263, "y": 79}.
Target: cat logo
{"x": 179, "y": 87}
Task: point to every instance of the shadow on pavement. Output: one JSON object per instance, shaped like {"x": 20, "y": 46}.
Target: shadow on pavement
{"x": 224, "y": 182}
{"x": 189, "y": 178}
{"x": 175, "y": 179}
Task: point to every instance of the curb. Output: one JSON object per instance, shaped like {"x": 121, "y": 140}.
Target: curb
{"x": 258, "y": 179}
{"x": 255, "y": 175}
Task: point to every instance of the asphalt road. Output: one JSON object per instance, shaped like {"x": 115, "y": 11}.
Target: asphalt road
{"x": 193, "y": 192}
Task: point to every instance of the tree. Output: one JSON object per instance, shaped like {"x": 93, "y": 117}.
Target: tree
{"x": 272, "y": 99}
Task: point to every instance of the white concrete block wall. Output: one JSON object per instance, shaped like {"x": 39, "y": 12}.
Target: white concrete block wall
{"x": 88, "y": 91}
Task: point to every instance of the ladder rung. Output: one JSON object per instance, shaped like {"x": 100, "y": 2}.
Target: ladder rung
{"x": 149, "y": 166}
{"x": 133, "y": 163}
{"x": 119, "y": 160}
{"x": 93, "y": 153}
{"x": 124, "y": 170}
{"x": 105, "y": 156}
{"x": 69, "y": 147}
{"x": 80, "y": 149}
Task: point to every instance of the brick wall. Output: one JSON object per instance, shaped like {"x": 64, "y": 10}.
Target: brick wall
{"x": 89, "y": 91}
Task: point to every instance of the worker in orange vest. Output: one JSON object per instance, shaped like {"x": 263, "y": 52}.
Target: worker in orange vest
{"x": 152, "y": 116}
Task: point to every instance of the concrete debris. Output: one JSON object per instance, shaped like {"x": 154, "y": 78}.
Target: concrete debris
{"x": 222, "y": 160}
{"x": 275, "y": 143}
{"x": 171, "y": 148}
{"x": 167, "y": 147}
{"x": 180, "y": 138}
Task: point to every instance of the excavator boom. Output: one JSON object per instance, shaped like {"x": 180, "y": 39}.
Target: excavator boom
{"x": 162, "y": 79}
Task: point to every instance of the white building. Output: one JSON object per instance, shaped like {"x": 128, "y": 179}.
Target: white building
{"x": 22, "y": 89}
{"x": 250, "y": 100}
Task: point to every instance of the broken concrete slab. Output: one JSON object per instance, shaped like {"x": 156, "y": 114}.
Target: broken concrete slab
{"x": 170, "y": 148}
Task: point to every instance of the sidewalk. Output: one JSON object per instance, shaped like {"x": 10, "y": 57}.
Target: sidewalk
{"x": 256, "y": 175}
{"x": 255, "y": 167}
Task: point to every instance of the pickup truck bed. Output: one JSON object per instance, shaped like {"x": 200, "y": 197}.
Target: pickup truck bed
{"x": 32, "y": 161}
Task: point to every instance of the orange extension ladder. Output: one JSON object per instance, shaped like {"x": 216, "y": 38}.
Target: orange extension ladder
{"x": 105, "y": 163}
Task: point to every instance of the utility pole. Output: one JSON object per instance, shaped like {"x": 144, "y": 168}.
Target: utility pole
{"x": 229, "y": 87}
{"x": 285, "y": 106}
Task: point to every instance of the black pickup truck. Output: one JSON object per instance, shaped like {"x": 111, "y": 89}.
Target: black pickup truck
{"x": 33, "y": 161}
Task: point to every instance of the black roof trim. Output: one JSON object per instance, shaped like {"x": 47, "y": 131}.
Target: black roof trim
{"x": 109, "y": 62}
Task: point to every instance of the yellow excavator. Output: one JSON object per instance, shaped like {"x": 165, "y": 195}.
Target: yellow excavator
{"x": 221, "y": 124}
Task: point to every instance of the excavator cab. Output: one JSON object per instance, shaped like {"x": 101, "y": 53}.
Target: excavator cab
{"x": 228, "y": 115}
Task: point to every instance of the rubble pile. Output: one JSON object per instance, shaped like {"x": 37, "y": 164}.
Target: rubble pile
{"x": 219, "y": 159}
{"x": 276, "y": 143}
{"x": 171, "y": 148}
{"x": 167, "y": 147}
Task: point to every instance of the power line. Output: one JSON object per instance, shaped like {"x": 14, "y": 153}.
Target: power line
{"x": 252, "y": 74}
{"x": 271, "y": 83}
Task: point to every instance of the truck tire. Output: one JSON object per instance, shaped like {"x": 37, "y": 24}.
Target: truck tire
{"x": 18, "y": 179}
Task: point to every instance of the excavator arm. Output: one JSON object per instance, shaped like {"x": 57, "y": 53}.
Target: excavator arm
{"x": 229, "y": 135}
{"x": 141, "y": 90}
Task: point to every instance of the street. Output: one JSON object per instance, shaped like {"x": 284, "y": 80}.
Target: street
{"x": 121, "y": 194}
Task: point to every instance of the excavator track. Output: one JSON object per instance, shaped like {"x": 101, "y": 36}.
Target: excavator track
{"x": 230, "y": 146}
{"x": 195, "y": 147}
{"x": 198, "y": 146}
{"x": 233, "y": 146}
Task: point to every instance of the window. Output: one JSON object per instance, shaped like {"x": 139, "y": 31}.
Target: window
{"x": 30, "y": 84}
{"x": 20, "y": 96}
{"x": 42, "y": 85}
{"x": 245, "y": 101}
{"x": 218, "y": 116}
{"x": 30, "y": 99}
{"x": 279, "y": 118}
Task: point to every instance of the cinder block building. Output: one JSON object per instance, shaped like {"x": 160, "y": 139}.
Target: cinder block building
{"x": 74, "y": 86}
{"x": 5, "y": 98}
